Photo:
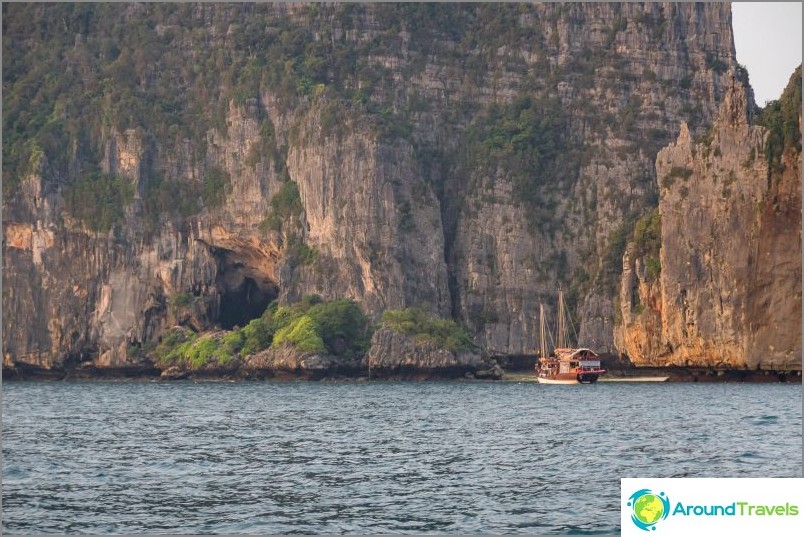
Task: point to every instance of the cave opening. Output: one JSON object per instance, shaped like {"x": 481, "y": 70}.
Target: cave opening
{"x": 245, "y": 290}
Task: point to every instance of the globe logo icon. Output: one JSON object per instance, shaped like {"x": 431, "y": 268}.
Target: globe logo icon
{"x": 648, "y": 508}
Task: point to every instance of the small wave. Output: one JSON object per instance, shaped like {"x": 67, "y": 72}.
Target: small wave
{"x": 291, "y": 458}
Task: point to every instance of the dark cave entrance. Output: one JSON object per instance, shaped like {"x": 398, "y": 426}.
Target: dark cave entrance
{"x": 245, "y": 290}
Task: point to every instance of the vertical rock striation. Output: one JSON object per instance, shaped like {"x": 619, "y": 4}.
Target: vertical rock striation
{"x": 373, "y": 222}
{"x": 470, "y": 158}
{"x": 729, "y": 293}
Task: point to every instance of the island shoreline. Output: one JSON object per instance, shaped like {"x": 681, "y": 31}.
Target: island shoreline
{"x": 23, "y": 373}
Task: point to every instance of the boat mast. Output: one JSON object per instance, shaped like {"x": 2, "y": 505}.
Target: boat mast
{"x": 560, "y": 337}
{"x": 542, "y": 337}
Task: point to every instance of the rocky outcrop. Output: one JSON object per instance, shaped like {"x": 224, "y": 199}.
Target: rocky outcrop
{"x": 729, "y": 292}
{"x": 286, "y": 361}
{"x": 377, "y": 113}
{"x": 398, "y": 355}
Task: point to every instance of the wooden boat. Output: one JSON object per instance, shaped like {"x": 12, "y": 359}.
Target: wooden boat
{"x": 568, "y": 365}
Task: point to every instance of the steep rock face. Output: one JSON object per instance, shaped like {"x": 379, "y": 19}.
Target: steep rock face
{"x": 729, "y": 294}
{"x": 71, "y": 293}
{"x": 639, "y": 332}
{"x": 517, "y": 229}
{"x": 377, "y": 113}
{"x": 374, "y": 223}
{"x": 774, "y": 297}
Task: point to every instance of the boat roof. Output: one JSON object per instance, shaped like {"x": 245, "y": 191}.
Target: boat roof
{"x": 572, "y": 353}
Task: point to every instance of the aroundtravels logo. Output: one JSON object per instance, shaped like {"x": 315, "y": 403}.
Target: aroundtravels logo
{"x": 711, "y": 506}
{"x": 648, "y": 508}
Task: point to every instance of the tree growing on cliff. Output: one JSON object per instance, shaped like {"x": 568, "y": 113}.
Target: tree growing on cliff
{"x": 337, "y": 327}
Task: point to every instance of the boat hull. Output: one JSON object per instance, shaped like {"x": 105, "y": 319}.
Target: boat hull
{"x": 587, "y": 378}
{"x": 582, "y": 378}
{"x": 543, "y": 380}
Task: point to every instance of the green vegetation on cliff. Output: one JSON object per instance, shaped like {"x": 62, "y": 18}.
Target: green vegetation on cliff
{"x": 285, "y": 206}
{"x": 340, "y": 325}
{"x": 283, "y": 217}
{"x": 215, "y": 187}
{"x": 180, "y": 302}
{"x": 781, "y": 118}
{"x": 611, "y": 265}
{"x": 303, "y": 333}
{"x": 528, "y": 141}
{"x": 181, "y": 347}
{"x": 647, "y": 239}
{"x": 427, "y": 328}
{"x": 646, "y": 234}
{"x": 99, "y": 199}
{"x": 337, "y": 327}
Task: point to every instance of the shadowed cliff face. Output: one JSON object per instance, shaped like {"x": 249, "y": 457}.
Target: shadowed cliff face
{"x": 729, "y": 293}
{"x": 466, "y": 158}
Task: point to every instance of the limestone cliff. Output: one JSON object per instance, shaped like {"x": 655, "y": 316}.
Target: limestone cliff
{"x": 729, "y": 290}
{"x": 190, "y": 163}
{"x": 373, "y": 221}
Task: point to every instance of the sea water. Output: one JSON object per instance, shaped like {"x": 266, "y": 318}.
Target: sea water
{"x": 372, "y": 457}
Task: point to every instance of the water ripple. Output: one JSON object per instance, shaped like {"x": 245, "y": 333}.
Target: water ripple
{"x": 379, "y": 458}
